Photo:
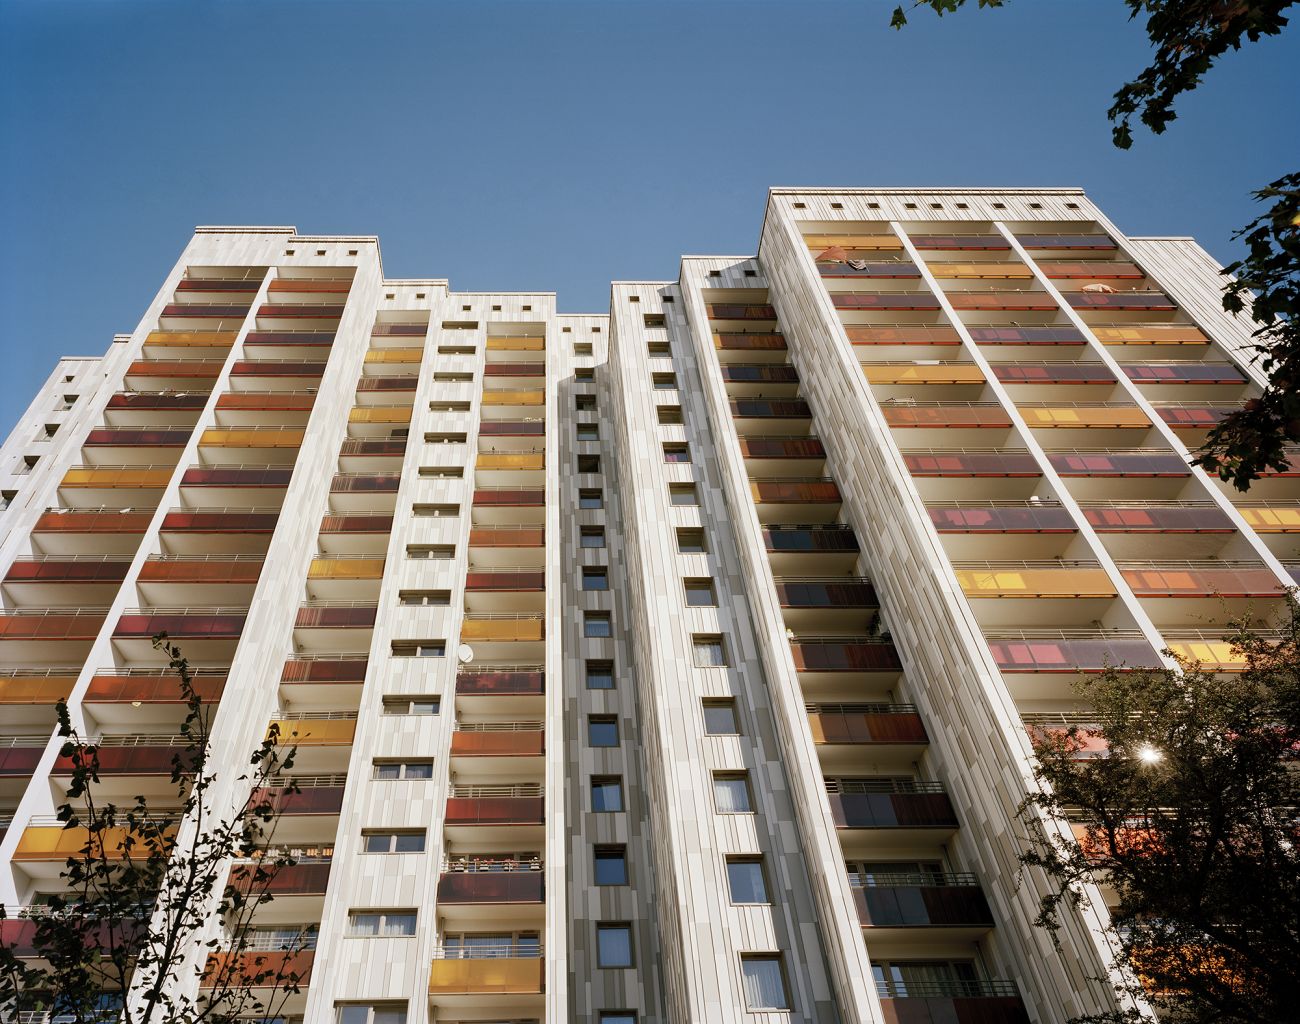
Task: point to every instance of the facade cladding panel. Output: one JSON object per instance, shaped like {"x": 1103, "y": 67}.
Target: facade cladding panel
{"x": 678, "y": 664}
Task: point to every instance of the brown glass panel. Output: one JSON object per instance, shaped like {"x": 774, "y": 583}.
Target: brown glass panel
{"x": 93, "y": 522}
{"x": 892, "y": 810}
{"x": 498, "y": 744}
{"x": 309, "y": 800}
{"x": 876, "y": 270}
{"x": 197, "y": 309}
{"x": 66, "y": 572}
{"x": 73, "y": 626}
{"x": 310, "y": 284}
{"x": 796, "y": 492}
{"x": 383, "y": 483}
{"x": 844, "y": 656}
{"x": 1026, "y": 336}
{"x": 357, "y": 524}
{"x": 113, "y": 437}
{"x": 256, "y": 477}
{"x": 487, "y": 683}
{"x": 488, "y": 537}
{"x": 267, "y": 401}
{"x": 857, "y": 727}
{"x": 1183, "y": 373}
{"x": 1118, "y": 464}
{"x": 150, "y": 689}
{"x": 380, "y": 448}
{"x": 180, "y": 624}
{"x": 245, "y": 970}
{"x": 288, "y": 338}
{"x": 1052, "y": 519}
{"x": 336, "y": 618}
{"x": 198, "y": 368}
{"x": 1065, "y": 241}
{"x": 759, "y": 373}
{"x": 341, "y": 670}
{"x": 510, "y": 497}
{"x": 749, "y": 342}
{"x": 386, "y": 384}
{"x": 505, "y": 581}
{"x": 491, "y": 887}
{"x": 781, "y": 448}
{"x": 198, "y": 284}
{"x": 267, "y": 368}
{"x": 946, "y": 416}
{"x": 1199, "y": 417}
{"x": 885, "y": 300}
{"x": 809, "y": 538}
{"x": 220, "y": 522}
{"x": 1159, "y": 519}
{"x": 1028, "y": 373}
{"x": 909, "y": 906}
{"x": 214, "y": 571}
{"x": 982, "y": 243}
{"x": 772, "y": 408}
{"x": 496, "y": 810}
{"x": 150, "y": 760}
{"x": 738, "y": 311}
{"x": 1072, "y": 655}
{"x": 1120, "y": 300}
{"x": 826, "y": 595}
{"x": 514, "y": 370}
{"x": 284, "y": 880}
{"x": 300, "y": 311}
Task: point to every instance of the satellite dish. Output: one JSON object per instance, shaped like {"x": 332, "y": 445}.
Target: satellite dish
{"x": 465, "y": 654}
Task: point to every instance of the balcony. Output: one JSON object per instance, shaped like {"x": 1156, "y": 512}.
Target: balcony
{"x": 1268, "y": 517}
{"x": 494, "y": 970}
{"x": 512, "y": 428}
{"x": 970, "y": 462}
{"x": 149, "y": 686}
{"x": 116, "y": 478}
{"x": 337, "y": 615}
{"x": 1083, "y": 415}
{"x": 83, "y": 569}
{"x": 825, "y": 592}
{"x": 759, "y": 408}
{"x": 346, "y": 567}
{"x": 190, "y": 339}
{"x": 890, "y": 804}
{"x": 1157, "y": 517}
{"x": 91, "y": 521}
{"x": 950, "y": 900}
{"x": 116, "y": 437}
{"x": 224, "y": 521}
{"x": 516, "y": 344}
{"x": 36, "y": 689}
{"x": 1201, "y": 579}
{"x": 1184, "y": 373}
{"x": 514, "y": 396}
{"x": 51, "y": 623}
{"x": 503, "y": 681}
{"x": 245, "y": 569}
{"x": 181, "y": 623}
{"x": 157, "y": 402}
{"x": 739, "y": 311}
{"x": 1091, "y": 240}
{"x": 318, "y": 796}
{"x": 480, "y": 880}
{"x": 902, "y": 334}
{"x": 267, "y": 401}
{"x": 176, "y": 369}
{"x": 834, "y": 539}
{"x": 1208, "y": 647}
{"x": 1001, "y": 517}
{"x": 133, "y": 756}
{"x": 507, "y": 537}
{"x": 498, "y": 497}
{"x": 844, "y": 654}
{"x": 794, "y": 491}
{"x": 46, "y": 841}
{"x": 323, "y": 671}
{"x": 1053, "y": 373}
{"x": 371, "y": 483}
{"x": 396, "y": 330}
{"x": 509, "y": 461}
{"x": 732, "y": 342}
{"x": 508, "y": 580}
{"x": 400, "y": 414}
{"x": 961, "y": 243}
{"x": 1189, "y": 416}
{"x": 1026, "y": 336}
{"x": 918, "y": 373}
{"x": 514, "y": 370}
{"x": 358, "y": 523}
{"x": 1144, "y": 301}
{"x": 253, "y": 437}
{"x": 371, "y": 385}
{"x": 759, "y": 373}
{"x": 866, "y": 724}
{"x": 980, "y": 415}
{"x": 1149, "y": 334}
{"x": 951, "y": 1002}
{"x": 238, "y": 476}
{"x": 207, "y": 310}
{"x": 256, "y": 970}
{"x": 1134, "y": 462}
{"x": 1091, "y": 270}
{"x": 478, "y": 806}
{"x": 498, "y": 739}
{"x": 289, "y": 339}
{"x": 1070, "y": 651}
{"x": 395, "y": 356}
{"x": 861, "y": 268}
{"x": 1010, "y": 299}
{"x": 1052, "y": 579}
{"x": 300, "y": 311}
{"x": 870, "y": 302}
{"x": 19, "y": 756}
{"x": 277, "y": 368}
{"x": 504, "y": 627}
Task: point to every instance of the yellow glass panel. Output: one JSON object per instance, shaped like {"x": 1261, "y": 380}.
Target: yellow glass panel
{"x": 54, "y": 842}
{"x": 346, "y": 568}
{"x": 252, "y": 438}
{"x": 1209, "y": 653}
{"x": 191, "y": 339}
{"x": 394, "y": 355}
{"x": 514, "y": 397}
{"x": 502, "y": 629}
{"x": 981, "y": 270}
{"x": 1035, "y": 583}
{"x": 1067, "y": 417}
{"x": 1179, "y": 335}
{"x": 507, "y": 460}
{"x": 816, "y": 243}
{"x": 116, "y": 478}
{"x": 516, "y": 344}
{"x": 497, "y": 974}
{"x": 1272, "y": 520}
{"x": 43, "y": 690}
{"x": 313, "y": 732}
{"x": 381, "y": 414}
{"x": 953, "y": 373}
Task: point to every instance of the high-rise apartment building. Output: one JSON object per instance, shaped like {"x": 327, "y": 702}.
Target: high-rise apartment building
{"x": 674, "y": 665}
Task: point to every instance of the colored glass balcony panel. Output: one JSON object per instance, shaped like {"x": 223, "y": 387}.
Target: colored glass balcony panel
{"x": 495, "y": 810}
{"x": 781, "y": 448}
{"x": 54, "y": 843}
{"x": 386, "y": 384}
{"x": 301, "y": 879}
{"x": 146, "y": 688}
{"x": 257, "y": 970}
{"x": 522, "y": 886}
{"x": 98, "y": 521}
{"x": 1153, "y": 464}
{"x": 1015, "y": 581}
{"x": 952, "y": 243}
{"x": 1184, "y": 373}
{"x": 838, "y": 724}
{"x": 288, "y": 339}
{"x": 487, "y": 580}
{"x": 206, "y": 310}
{"x": 361, "y": 523}
{"x": 1066, "y": 241}
{"x": 1091, "y": 270}
{"x": 521, "y": 496}
{"x": 944, "y": 373}
{"x": 512, "y": 428}
{"x": 1003, "y": 519}
{"x": 999, "y": 270}
{"x": 1086, "y": 416}
{"x": 116, "y": 437}
{"x": 505, "y": 629}
{"x": 1202, "y": 581}
{"x": 190, "y": 339}
{"x": 514, "y": 370}
{"x": 759, "y": 373}
{"x": 300, "y": 311}
{"x": 809, "y": 538}
{"x": 922, "y": 906}
{"x": 201, "y": 570}
{"x": 1008, "y": 300}
{"x": 324, "y": 670}
{"x": 199, "y": 284}
{"x": 904, "y": 335}
{"x": 730, "y": 342}
{"x": 319, "y": 285}
{"x": 740, "y": 311}
{"x": 21, "y": 761}
{"x": 495, "y": 975}
{"x": 1026, "y": 336}
{"x": 216, "y": 437}
{"x": 1213, "y": 654}
{"x": 1150, "y": 334}
{"x": 1266, "y": 519}
{"x": 1195, "y": 417}
{"x": 794, "y": 491}
{"x": 374, "y": 449}
{"x": 326, "y": 568}
{"x": 351, "y": 483}
{"x": 196, "y": 369}
{"x": 892, "y": 810}
{"x": 510, "y": 460}
{"x": 220, "y": 522}
{"x": 516, "y": 344}
{"x": 256, "y": 476}
{"x": 826, "y": 594}
{"x": 860, "y": 268}
{"x": 394, "y": 355}
{"x": 130, "y": 479}
{"x": 267, "y": 401}
{"x": 1138, "y": 301}
{"x": 146, "y": 623}
{"x": 514, "y": 397}
{"x": 315, "y": 732}
{"x": 146, "y": 759}
{"x": 36, "y": 687}
{"x": 309, "y": 800}
{"x": 507, "y": 537}
{"x": 971, "y": 464}
{"x": 70, "y": 624}
{"x": 399, "y": 330}
{"x": 1064, "y": 653}
{"x": 1159, "y": 519}
{"x": 899, "y": 301}
{"x": 935, "y": 1006}
{"x": 852, "y": 243}
{"x": 276, "y": 368}
{"x": 847, "y": 655}
{"x": 91, "y": 569}
{"x": 336, "y": 617}
{"x": 520, "y": 743}
{"x": 766, "y": 408}
{"x": 487, "y": 682}
{"x": 1053, "y": 373}
{"x": 990, "y": 416}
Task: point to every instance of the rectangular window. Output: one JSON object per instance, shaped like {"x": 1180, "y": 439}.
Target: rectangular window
{"x": 444, "y": 377}
{"x": 611, "y": 865}
{"x": 709, "y": 650}
{"x": 407, "y": 841}
{"x": 602, "y": 731}
{"x": 437, "y": 552}
{"x": 764, "y": 981}
{"x": 389, "y": 771}
{"x": 442, "y": 472}
{"x": 720, "y": 718}
{"x": 700, "y": 593}
{"x": 746, "y": 880}
{"x": 425, "y": 598}
{"x": 584, "y": 403}
{"x": 588, "y": 432}
{"x": 677, "y": 451}
{"x": 435, "y": 511}
{"x": 446, "y": 438}
{"x": 591, "y": 498}
{"x": 664, "y": 381}
{"x": 613, "y": 945}
{"x": 606, "y": 793}
{"x": 381, "y": 923}
{"x": 600, "y": 675}
{"x": 690, "y": 541}
{"x": 669, "y": 415}
{"x": 731, "y": 793}
{"x": 582, "y": 348}
{"x": 584, "y": 373}
{"x": 658, "y": 348}
{"x": 419, "y": 648}
{"x": 370, "y": 1013}
{"x": 597, "y": 625}
{"x": 588, "y": 463}
{"x": 591, "y": 537}
{"x": 595, "y": 577}
{"x": 449, "y": 407}
{"x": 412, "y": 705}
{"x": 683, "y": 495}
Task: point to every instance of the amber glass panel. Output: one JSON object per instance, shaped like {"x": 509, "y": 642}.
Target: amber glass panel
{"x": 93, "y": 522}
{"x": 73, "y": 626}
{"x": 187, "y": 571}
{"x": 199, "y": 368}
{"x": 127, "y": 478}
{"x": 1027, "y": 582}
{"x": 488, "y": 537}
{"x": 502, "y": 975}
{"x": 1151, "y": 334}
{"x": 503, "y": 629}
{"x": 267, "y": 401}
{"x": 150, "y": 689}
{"x": 1203, "y": 582}
{"x": 877, "y": 270}
{"x": 241, "y": 970}
{"x": 18, "y": 689}
{"x": 1086, "y": 416}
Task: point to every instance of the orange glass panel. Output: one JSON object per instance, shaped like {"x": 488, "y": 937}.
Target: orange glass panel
{"x": 252, "y": 438}
{"x": 507, "y": 460}
{"x": 316, "y": 732}
{"x": 500, "y": 975}
{"x": 502, "y": 629}
{"x": 952, "y": 373}
{"x": 1123, "y": 416}
{"x": 380, "y": 414}
{"x": 190, "y": 339}
{"x": 531, "y": 397}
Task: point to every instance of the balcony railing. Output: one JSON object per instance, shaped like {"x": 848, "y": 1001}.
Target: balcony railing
{"x": 1200, "y": 579}
{"x": 1000, "y": 517}
{"x": 844, "y": 654}
{"x": 117, "y": 437}
{"x": 929, "y": 903}
{"x": 268, "y": 401}
{"x": 1148, "y": 334}
{"x": 892, "y": 301}
{"x": 825, "y": 592}
{"x": 360, "y": 522}
{"x": 69, "y": 569}
{"x": 115, "y": 477}
{"x": 830, "y": 539}
{"x": 496, "y": 805}
{"x": 1064, "y": 578}
{"x": 866, "y": 723}
{"x": 202, "y": 569}
{"x": 284, "y": 339}
{"x": 505, "y": 496}
{"x": 101, "y": 520}
{"x": 1091, "y": 270}
{"x": 508, "y": 969}
{"x": 1053, "y": 373}
{"x": 765, "y": 408}
{"x": 238, "y": 476}
{"x": 501, "y": 680}
{"x": 946, "y": 414}
{"x": 972, "y": 242}
{"x": 196, "y": 622}
{"x": 36, "y": 686}
{"x": 1049, "y": 650}
{"x": 759, "y": 342}
{"x": 777, "y": 491}
{"x": 1066, "y": 241}
{"x": 1133, "y": 462}
{"x": 337, "y": 615}
{"x": 196, "y": 369}
{"x": 51, "y": 623}
{"x": 503, "y": 627}
{"x": 1157, "y": 517}
{"x": 301, "y": 310}
{"x": 923, "y": 808}
{"x": 361, "y": 483}
{"x": 970, "y": 462}
{"x": 507, "y": 537}
{"x": 860, "y": 268}
{"x": 151, "y": 686}
{"x": 1183, "y": 373}
{"x": 159, "y": 401}
{"x": 1083, "y": 414}
{"x": 902, "y": 334}
{"x": 505, "y": 580}
{"x": 512, "y": 428}
{"x": 1026, "y": 336}
{"x": 740, "y": 311}
{"x": 331, "y": 669}
{"x": 759, "y": 373}
{"x": 1141, "y": 301}
{"x": 221, "y": 520}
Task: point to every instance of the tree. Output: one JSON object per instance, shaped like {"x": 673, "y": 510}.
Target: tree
{"x": 138, "y": 896}
{"x": 1189, "y": 37}
{"x": 1190, "y": 819}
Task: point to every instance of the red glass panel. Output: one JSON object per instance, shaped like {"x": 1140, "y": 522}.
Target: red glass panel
{"x": 383, "y": 483}
{"x": 310, "y": 284}
{"x": 300, "y": 311}
{"x": 93, "y": 522}
{"x": 267, "y": 368}
{"x": 1028, "y": 373}
{"x": 510, "y": 497}
{"x": 491, "y": 887}
{"x": 840, "y": 656}
{"x": 1052, "y": 519}
{"x": 150, "y": 689}
{"x": 487, "y": 683}
{"x": 869, "y": 728}
{"x": 946, "y": 416}
{"x": 1203, "y": 582}
{"x": 1026, "y": 336}
{"x": 1199, "y": 416}
{"x": 781, "y": 448}
{"x": 20, "y": 761}
{"x": 249, "y": 970}
{"x": 220, "y": 522}
{"x": 309, "y": 800}
{"x": 796, "y": 491}
{"x": 1119, "y": 464}
{"x": 286, "y": 880}
{"x": 195, "y": 571}
{"x": 336, "y": 618}
{"x": 1160, "y": 519}
{"x": 885, "y": 300}
{"x": 498, "y": 744}
{"x": 149, "y": 401}
{"x": 1002, "y": 300}
{"x": 228, "y": 625}
{"x": 263, "y": 477}
{"x": 198, "y": 284}
{"x": 106, "y": 436}
{"x": 1120, "y": 300}
{"x": 498, "y": 810}
{"x": 736, "y": 311}
{"x": 505, "y": 581}
{"x": 1072, "y": 655}
{"x": 66, "y": 572}
{"x": 341, "y": 670}
{"x": 750, "y": 342}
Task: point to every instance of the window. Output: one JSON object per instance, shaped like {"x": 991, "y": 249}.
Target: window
{"x": 745, "y": 880}
{"x": 715, "y": 273}
{"x": 371, "y": 1013}
{"x": 582, "y": 348}
{"x": 709, "y": 651}
{"x": 453, "y": 377}
{"x": 606, "y": 793}
{"x": 664, "y": 381}
{"x": 588, "y": 463}
{"x": 584, "y": 373}
{"x": 595, "y": 578}
{"x": 682, "y": 494}
{"x": 731, "y": 793}
{"x": 613, "y": 945}
{"x": 412, "y": 705}
{"x": 588, "y": 432}
{"x": 435, "y": 511}
{"x": 51, "y": 429}
{"x": 405, "y": 841}
{"x": 419, "y": 648}
{"x": 764, "y": 981}
{"x": 388, "y": 771}
{"x": 611, "y": 865}
{"x": 720, "y": 718}
{"x": 449, "y": 407}
{"x": 597, "y": 625}
{"x": 600, "y": 675}
{"x": 700, "y": 593}
{"x": 435, "y": 551}
{"x": 837, "y": 206}
{"x": 442, "y": 472}
{"x": 602, "y": 731}
{"x": 584, "y": 403}
{"x": 658, "y": 348}
{"x": 432, "y": 598}
{"x": 677, "y": 451}
{"x": 669, "y": 414}
{"x": 591, "y": 498}
{"x": 591, "y": 536}
{"x": 445, "y": 437}
{"x": 690, "y": 541}
{"x": 655, "y": 320}
{"x": 457, "y": 350}
{"x": 382, "y": 923}
{"x": 617, "y": 1017}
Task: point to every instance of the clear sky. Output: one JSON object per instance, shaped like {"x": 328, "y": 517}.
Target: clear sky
{"x": 555, "y": 146}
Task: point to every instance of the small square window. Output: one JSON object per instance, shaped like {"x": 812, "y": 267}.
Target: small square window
{"x": 419, "y": 648}
{"x": 999, "y": 206}
{"x": 390, "y": 295}
{"x": 419, "y": 295}
{"x": 352, "y": 252}
{"x": 412, "y": 705}
{"x": 751, "y": 273}
{"x": 595, "y": 330}
{"x": 659, "y": 348}
{"x": 676, "y": 451}
{"x": 664, "y": 381}
{"x": 1035, "y": 206}
{"x": 527, "y": 309}
{"x": 582, "y": 348}
{"x": 800, "y": 206}
{"x": 584, "y": 373}
{"x": 715, "y": 273}
{"x": 669, "y": 414}
{"x": 655, "y": 320}
{"x": 909, "y": 206}
{"x": 617, "y": 1017}
{"x": 320, "y": 252}
{"x": 634, "y": 298}
{"x": 710, "y": 651}
{"x": 962, "y": 206}
{"x": 683, "y": 494}
{"x": 600, "y": 675}
{"x": 764, "y": 982}
{"x": 595, "y": 578}
{"x": 1071, "y": 206}
{"x": 731, "y": 793}
{"x": 442, "y": 472}
{"x": 606, "y": 793}
{"x": 746, "y": 881}
{"x": 588, "y": 432}
{"x": 597, "y": 625}
{"x": 290, "y": 252}
{"x": 436, "y": 511}
{"x": 566, "y": 330}
{"x": 591, "y": 498}
{"x": 496, "y": 309}
{"x": 690, "y": 541}
{"x": 591, "y": 537}
{"x": 588, "y": 463}
{"x": 613, "y": 945}
{"x": 700, "y": 593}
{"x": 873, "y": 206}
{"x": 602, "y": 731}
{"x": 720, "y": 718}
{"x": 464, "y": 309}
{"x": 936, "y": 206}
{"x": 837, "y": 206}
{"x": 611, "y": 865}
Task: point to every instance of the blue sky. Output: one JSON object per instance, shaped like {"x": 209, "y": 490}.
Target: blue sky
{"x": 557, "y": 146}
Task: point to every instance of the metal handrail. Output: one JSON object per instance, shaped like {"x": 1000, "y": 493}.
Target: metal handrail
{"x": 516, "y": 616}
{"x": 837, "y": 638}
{"x": 160, "y": 673}
{"x": 464, "y": 792}
{"x": 500, "y": 726}
{"x": 1055, "y": 563}
{"x": 31, "y": 739}
{"x": 100, "y": 610}
{"x": 315, "y": 716}
{"x": 868, "y": 708}
{"x": 299, "y": 854}
{"x": 472, "y": 864}
{"x": 493, "y": 667}
{"x": 1197, "y": 564}
{"x": 40, "y": 673}
{"x": 160, "y": 739}
{"x": 822, "y": 579}
{"x": 837, "y": 527}
{"x": 852, "y": 786}
{"x": 188, "y": 610}
{"x": 952, "y": 989}
{"x": 1078, "y": 633}
{"x": 514, "y": 950}
{"x": 74, "y": 558}
{"x": 308, "y": 781}
{"x": 900, "y": 879}
{"x": 978, "y": 503}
